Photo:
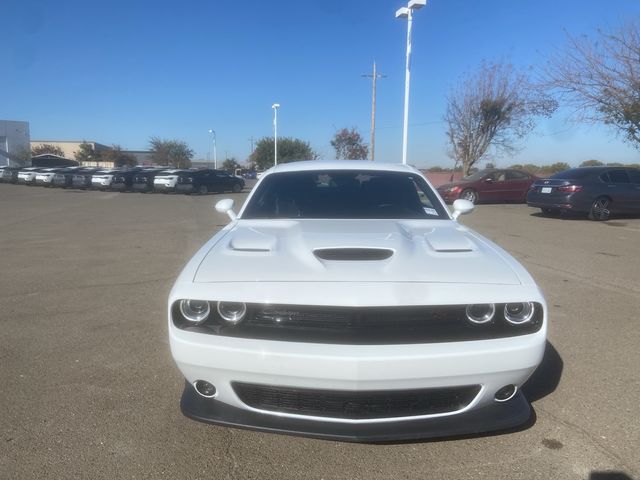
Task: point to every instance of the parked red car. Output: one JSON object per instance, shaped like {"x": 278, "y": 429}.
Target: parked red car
{"x": 488, "y": 186}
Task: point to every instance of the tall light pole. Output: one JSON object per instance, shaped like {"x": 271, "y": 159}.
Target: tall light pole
{"x": 375, "y": 77}
{"x": 275, "y": 107}
{"x": 215, "y": 156}
{"x": 407, "y": 12}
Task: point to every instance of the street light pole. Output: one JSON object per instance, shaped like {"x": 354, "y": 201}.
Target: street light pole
{"x": 215, "y": 156}
{"x": 275, "y": 107}
{"x": 407, "y": 12}
{"x": 375, "y": 77}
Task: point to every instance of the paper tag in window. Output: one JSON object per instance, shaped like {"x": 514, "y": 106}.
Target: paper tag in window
{"x": 430, "y": 211}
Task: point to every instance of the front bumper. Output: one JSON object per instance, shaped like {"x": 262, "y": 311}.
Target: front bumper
{"x": 449, "y": 197}
{"x": 493, "y": 417}
{"x": 491, "y": 364}
{"x": 161, "y": 187}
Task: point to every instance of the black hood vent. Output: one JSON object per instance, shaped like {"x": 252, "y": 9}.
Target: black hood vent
{"x": 353, "y": 254}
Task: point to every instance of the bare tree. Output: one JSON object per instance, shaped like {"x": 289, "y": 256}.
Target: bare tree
{"x": 600, "y": 79}
{"x": 494, "y": 107}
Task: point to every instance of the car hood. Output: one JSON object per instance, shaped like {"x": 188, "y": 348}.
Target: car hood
{"x": 354, "y": 251}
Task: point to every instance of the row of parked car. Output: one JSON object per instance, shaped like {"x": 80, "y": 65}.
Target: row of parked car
{"x": 598, "y": 192}
{"x": 136, "y": 179}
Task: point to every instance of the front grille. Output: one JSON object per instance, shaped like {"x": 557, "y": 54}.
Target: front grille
{"x": 356, "y": 405}
{"x": 360, "y": 325}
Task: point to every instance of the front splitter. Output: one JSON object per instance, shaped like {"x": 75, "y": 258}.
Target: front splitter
{"x": 494, "y": 417}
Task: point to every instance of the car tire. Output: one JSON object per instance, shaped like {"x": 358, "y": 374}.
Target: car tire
{"x": 469, "y": 194}
{"x": 237, "y": 188}
{"x": 600, "y": 209}
{"x": 203, "y": 190}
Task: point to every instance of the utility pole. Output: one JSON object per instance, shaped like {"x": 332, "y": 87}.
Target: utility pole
{"x": 374, "y": 76}
{"x": 251, "y": 140}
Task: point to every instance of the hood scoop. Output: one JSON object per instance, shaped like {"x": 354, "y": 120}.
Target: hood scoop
{"x": 448, "y": 241}
{"x": 351, "y": 254}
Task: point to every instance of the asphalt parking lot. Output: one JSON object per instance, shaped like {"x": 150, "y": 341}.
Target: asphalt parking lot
{"x": 89, "y": 389}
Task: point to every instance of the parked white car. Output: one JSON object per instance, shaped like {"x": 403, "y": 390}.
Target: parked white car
{"x": 45, "y": 177}
{"x": 167, "y": 181}
{"x": 344, "y": 301}
{"x": 28, "y": 175}
{"x": 103, "y": 179}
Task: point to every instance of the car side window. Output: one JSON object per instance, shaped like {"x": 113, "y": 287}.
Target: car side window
{"x": 515, "y": 175}
{"x": 634, "y": 175}
{"x": 618, "y": 176}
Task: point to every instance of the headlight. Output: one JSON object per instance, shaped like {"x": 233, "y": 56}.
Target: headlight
{"x": 518, "y": 313}
{"x": 195, "y": 311}
{"x": 481, "y": 313}
{"x": 232, "y": 312}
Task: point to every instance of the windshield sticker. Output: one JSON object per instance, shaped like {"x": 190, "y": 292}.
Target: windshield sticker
{"x": 430, "y": 211}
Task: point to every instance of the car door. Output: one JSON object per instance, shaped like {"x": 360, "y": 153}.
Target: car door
{"x": 620, "y": 190}
{"x": 493, "y": 187}
{"x": 634, "y": 180}
{"x": 516, "y": 185}
{"x": 224, "y": 180}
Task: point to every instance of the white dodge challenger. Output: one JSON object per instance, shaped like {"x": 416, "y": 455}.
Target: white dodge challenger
{"x": 344, "y": 301}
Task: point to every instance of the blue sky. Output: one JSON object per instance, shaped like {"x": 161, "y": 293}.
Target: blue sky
{"x": 123, "y": 71}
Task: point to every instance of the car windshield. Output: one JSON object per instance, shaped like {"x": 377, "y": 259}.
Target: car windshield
{"x": 344, "y": 194}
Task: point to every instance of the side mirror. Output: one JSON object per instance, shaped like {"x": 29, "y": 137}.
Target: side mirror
{"x": 462, "y": 207}
{"x": 226, "y": 206}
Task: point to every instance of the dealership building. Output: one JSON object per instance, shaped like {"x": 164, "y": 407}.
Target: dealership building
{"x": 14, "y": 142}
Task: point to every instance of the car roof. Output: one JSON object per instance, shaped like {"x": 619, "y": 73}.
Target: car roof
{"x": 312, "y": 165}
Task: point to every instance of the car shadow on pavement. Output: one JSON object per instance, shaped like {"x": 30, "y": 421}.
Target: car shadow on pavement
{"x": 546, "y": 378}
{"x": 543, "y": 382}
{"x": 609, "y": 475}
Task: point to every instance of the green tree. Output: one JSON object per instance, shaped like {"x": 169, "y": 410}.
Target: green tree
{"x": 85, "y": 153}
{"x": 170, "y": 152}
{"x": 615, "y": 164}
{"x": 289, "y": 150}
{"x": 591, "y": 163}
{"x": 493, "y": 108}
{"x": 46, "y": 148}
{"x": 349, "y": 145}
{"x": 531, "y": 168}
{"x": 230, "y": 165}
{"x": 555, "y": 167}
{"x": 437, "y": 169}
{"x": 118, "y": 157}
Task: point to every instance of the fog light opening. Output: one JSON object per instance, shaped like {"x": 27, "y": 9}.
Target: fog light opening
{"x": 505, "y": 393}
{"x": 205, "y": 389}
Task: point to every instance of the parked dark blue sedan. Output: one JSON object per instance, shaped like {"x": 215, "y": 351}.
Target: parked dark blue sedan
{"x": 596, "y": 191}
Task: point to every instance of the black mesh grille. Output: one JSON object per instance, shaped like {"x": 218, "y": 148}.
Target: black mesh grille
{"x": 361, "y": 325}
{"x": 359, "y": 405}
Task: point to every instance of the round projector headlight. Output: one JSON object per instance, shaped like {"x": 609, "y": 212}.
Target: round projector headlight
{"x": 481, "y": 313}
{"x": 195, "y": 311}
{"x": 232, "y": 312}
{"x": 518, "y": 312}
